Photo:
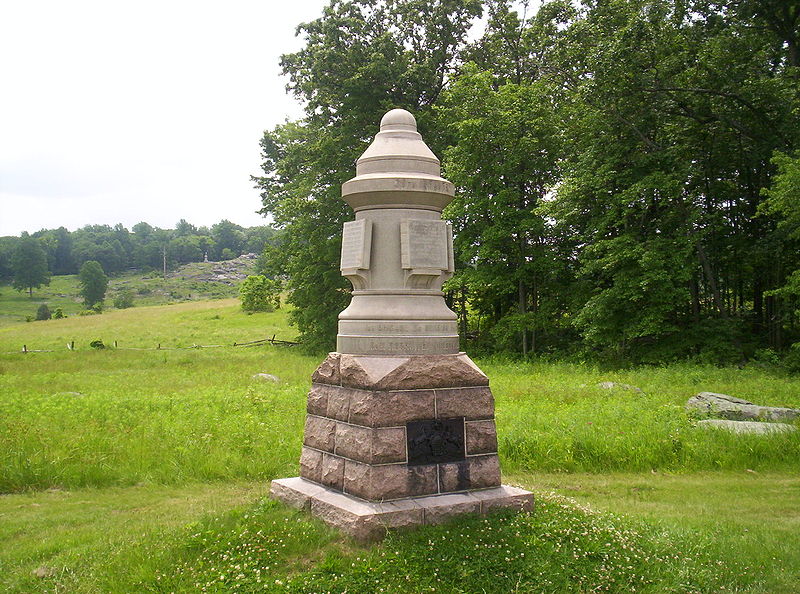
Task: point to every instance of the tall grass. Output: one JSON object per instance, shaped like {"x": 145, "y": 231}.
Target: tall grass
{"x": 117, "y": 417}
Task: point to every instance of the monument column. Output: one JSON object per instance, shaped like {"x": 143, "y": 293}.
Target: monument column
{"x": 400, "y": 427}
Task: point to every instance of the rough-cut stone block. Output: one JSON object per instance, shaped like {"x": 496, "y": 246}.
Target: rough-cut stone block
{"x": 470, "y": 403}
{"x": 332, "y": 474}
{"x": 328, "y": 371}
{"x": 364, "y": 371}
{"x": 478, "y": 472}
{"x": 388, "y": 409}
{"x": 389, "y": 481}
{"x": 317, "y": 401}
{"x": 354, "y": 442}
{"x": 295, "y": 492}
{"x": 481, "y": 437}
{"x": 433, "y": 371}
{"x": 311, "y": 465}
{"x": 319, "y": 433}
{"x": 412, "y": 372}
{"x": 388, "y": 445}
{"x": 443, "y": 507}
{"x": 504, "y": 497}
{"x": 366, "y": 521}
{"x": 338, "y": 404}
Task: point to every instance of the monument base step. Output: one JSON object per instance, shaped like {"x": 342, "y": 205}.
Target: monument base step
{"x": 369, "y": 521}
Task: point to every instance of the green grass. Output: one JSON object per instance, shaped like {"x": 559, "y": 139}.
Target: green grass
{"x": 144, "y": 430}
{"x": 151, "y": 288}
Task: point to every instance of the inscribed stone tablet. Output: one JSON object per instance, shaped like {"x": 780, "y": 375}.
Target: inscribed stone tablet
{"x": 356, "y": 242}
{"x": 423, "y": 244}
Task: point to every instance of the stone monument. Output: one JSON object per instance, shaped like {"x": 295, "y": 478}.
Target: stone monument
{"x": 400, "y": 427}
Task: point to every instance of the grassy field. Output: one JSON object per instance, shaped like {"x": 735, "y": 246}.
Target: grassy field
{"x": 147, "y": 470}
{"x": 184, "y": 284}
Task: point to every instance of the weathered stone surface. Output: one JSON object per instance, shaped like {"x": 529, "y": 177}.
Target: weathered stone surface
{"x": 317, "y": 400}
{"x": 481, "y": 437}
{"x": 470, "y": 403}
{"x": 619, "y": 386}
{"x": 443, "y": 507}
{"x": 388, "y": 409}
{"x": 434, "y": 371}
{"x": 332, "y": 471}
{"x": 295, "y": 492}
{"x": 504, "y": 497}
{"x": 369, "y": 521}
{"x": 319, "y": 433}
{"x": 389, "y": 481}
{"x": 753, "y": 427}
{"x": 266, "y": 377}
{"x": 478, "y": 472}
{"x": 413, "y": 372}
{"x": 736, "y": 409}
{"x": 354, "y": 442}
{"x": 328, "y": 371}
{"x": 338, "y": 404}
{"x": 365, "y": 372}
{"x": 388, "y": 445}
{"x": 311, "y": 465}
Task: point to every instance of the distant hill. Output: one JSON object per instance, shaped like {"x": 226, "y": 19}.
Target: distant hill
{"x": 190, "y": 282}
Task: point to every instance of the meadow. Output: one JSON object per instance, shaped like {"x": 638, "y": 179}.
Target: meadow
{"x": 147, "y": 288}
{"x": 127, "y": 470}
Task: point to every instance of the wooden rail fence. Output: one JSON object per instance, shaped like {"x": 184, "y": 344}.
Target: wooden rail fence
{"x": 251, "y": 343}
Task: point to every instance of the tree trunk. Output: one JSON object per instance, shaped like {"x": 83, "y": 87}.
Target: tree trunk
{"x": 523, "y": 298}
{"x": 712, "y": 282}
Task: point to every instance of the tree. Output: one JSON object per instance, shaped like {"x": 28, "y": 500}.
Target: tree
{"x": 93, "y": 283}
{"x": 259, "y": 293}
{"x": 43, "y": 313}
{"x": 503, "y": 161}
{"x": 29, "y": 264}
{"x": 227, "y": 236}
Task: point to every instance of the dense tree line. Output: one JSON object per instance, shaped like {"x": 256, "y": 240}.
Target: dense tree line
{"x": 30, "y": 259}
{"x": 627, "y": 171}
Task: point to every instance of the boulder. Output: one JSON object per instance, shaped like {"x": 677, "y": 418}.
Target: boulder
{"x": 618, "y": 386}
{"x": 728, "y": 407}
{"x": 746, "y": 426}
{"x": 266, "y": 377}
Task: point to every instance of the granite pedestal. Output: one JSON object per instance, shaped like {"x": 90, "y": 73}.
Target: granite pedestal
{"x": 398, "y": 441}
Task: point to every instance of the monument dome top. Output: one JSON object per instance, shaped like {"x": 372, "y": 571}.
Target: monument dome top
{"x": 398, "y": 119}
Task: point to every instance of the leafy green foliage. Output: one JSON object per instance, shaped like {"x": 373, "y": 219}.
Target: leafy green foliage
{"x": 123, "y": 300}
{"x": 29, "y": 264}
{"x": 259, "y": 293}
{"x": 43, "y": 312}
{"x": 93, "y": 282}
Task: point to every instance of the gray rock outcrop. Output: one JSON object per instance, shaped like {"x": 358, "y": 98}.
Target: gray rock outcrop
{"x": 618, "y": 386}
{"x": 736, "y": 409}
{"x": 746, "y": 426}
{"x": 266, "y": 377}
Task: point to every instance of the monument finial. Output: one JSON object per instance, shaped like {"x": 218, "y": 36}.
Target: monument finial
{"x": 399, "y": 119}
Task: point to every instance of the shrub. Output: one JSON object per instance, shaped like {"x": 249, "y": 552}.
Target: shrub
{"x": 123, "y": 300}
{"x": 259, "y": 293}
{"x": 97, "y": 344}
{"x": 43, "y": 313}
{"x": 58, "y": 314}
{"x": 94, "y": 283}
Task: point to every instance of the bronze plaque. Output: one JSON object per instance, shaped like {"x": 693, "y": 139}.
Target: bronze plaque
{"x": 434, "y": 441}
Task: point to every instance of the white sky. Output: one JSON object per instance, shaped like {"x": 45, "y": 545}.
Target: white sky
{"x": 151, "y": 111}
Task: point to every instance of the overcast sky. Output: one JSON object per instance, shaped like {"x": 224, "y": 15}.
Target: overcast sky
{"x": 151, "y": 111}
